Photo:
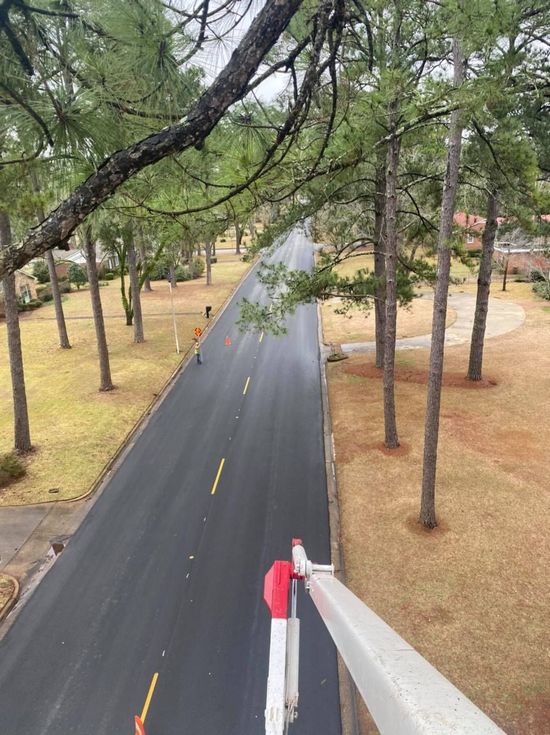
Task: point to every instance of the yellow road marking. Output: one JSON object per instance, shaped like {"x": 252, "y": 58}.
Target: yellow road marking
{"x": 246, "y": 385}
{"x": 215, "y": 485}
{"x": 149, "y": 697}
{"x": 261, "y": 336}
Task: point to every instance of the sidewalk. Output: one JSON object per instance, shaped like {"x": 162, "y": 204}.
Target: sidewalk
{"x": 503, "y": 317}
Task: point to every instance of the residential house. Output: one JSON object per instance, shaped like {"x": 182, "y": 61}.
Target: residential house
{"x": 64, "y": 258}
{"x": 521, "y": 252}
{"x": 25, "y": 287}
{"x": 517, "y": 250}
{"x": 472, "y": 229}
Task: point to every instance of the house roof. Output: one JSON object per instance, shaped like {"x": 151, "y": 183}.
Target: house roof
{"x": 472, "y": 221}
{"x": 28, "y": 275}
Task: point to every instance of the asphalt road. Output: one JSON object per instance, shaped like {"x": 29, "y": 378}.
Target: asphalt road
{"x": 164, "y": 576}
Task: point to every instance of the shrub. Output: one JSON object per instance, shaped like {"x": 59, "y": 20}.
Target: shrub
{"x": 222, "y": 239}
{"x": 34, "y": 304}
{"x": 536, "y": 276}
{"x": 77, "y": 275}
{"x": 158, "y": 271}
{"x": 214, "y": 259}
{"x": 11, "y": 468}
{"x": 109, "y": 276}
{"x": 182, "y": 273}
{"x": 65, "y": 286}
{"x": 40, "y": 271}
{"x": 542, "y": 289}
{"x": 198, "y": 267}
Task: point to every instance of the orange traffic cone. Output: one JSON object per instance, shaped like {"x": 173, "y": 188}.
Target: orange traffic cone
{"x": 227, "y": 341}
{"x": 140, "y": 727}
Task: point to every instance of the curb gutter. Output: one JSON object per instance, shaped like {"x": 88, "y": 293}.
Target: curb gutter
{"x": 348, "y": 706}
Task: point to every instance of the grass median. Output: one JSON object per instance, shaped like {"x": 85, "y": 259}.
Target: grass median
{"x": 76, "y": 429}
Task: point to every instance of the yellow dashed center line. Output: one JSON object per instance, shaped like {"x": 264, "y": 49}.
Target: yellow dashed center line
{"x": 215, "y": 485}
{"x": 149, "y": 697}
{"x": 246, "y": 385}
{"x": 261, "y": 336}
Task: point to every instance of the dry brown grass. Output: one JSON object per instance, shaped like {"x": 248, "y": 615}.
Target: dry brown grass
{"x": 358, "y": 326}
{"x": 473, "y": 595}
{"x": 75, "y": 428}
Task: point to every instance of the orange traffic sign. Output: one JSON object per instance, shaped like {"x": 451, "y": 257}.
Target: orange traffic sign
{"x": 198, "y": 331}
{"x": 227, "y": 341}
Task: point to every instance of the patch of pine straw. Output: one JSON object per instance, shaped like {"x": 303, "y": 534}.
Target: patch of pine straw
{"x": 473, "y": 596}
{"x": 74, "y": 428}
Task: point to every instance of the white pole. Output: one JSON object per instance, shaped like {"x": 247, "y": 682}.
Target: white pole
{"x": 174, "y": 317}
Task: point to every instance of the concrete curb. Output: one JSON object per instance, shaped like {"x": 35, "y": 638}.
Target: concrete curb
{"x": 5, "y": 611}
{"x": 348, "y": 706}
{"x": 141, "y": 421}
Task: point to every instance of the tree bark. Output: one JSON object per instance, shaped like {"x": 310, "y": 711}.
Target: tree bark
{"x": 125, "y": 298}
{"x": 208, "y": 254}
{"x": 379, "y": 258}
{"x": 252, "y": 226}
{"x": 238, "y": 238}
{"x": 136, "y": 296}
{"x": 483, "y": 289}
{"x": 505, "y": 274}
{"x": 143, "y": 260}
{"x": 54, "y": 283}
{"x": 21, "y": 428}
{"x": 390, "y": 424}
{"x": 435, "y": 376}
{"x": 172, "y": 276}
{"x": 229, "y": 87}
{"x": 59, "y": 315}
{"x": 106, "y": 382}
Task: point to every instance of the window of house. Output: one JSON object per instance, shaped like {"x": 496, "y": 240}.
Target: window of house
{"x": 469, "y": 238}
{"x": 25, "y": 293}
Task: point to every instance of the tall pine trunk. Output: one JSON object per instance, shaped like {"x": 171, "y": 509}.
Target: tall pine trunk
{"x": 505, "y": 274}
{"x": 143, "y": 260}
{"x": 238, "y": 238}
{"x": 21, "y": 428}
{"x": 136, "y": 295}
{"x": 56, "y": 293}
{"x": 54, "y": 284}
{"x": 390, "y": 424}
{"x": 208, "y": 254}
{"x": 106, "y": 382}
{"x": 172, "y": 276}
{"x": 379, "y": 256}
{"x": 435, "y": 376}
{"x": 483, "y": 289}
